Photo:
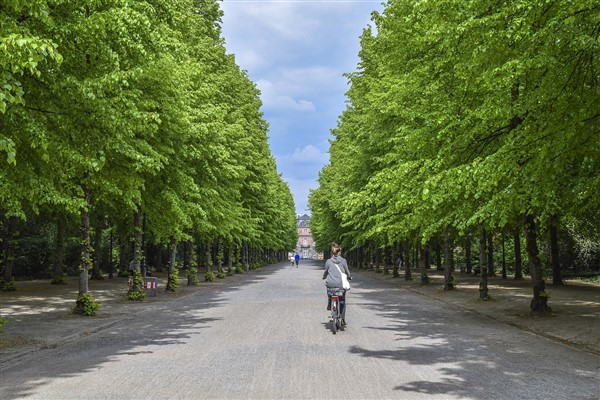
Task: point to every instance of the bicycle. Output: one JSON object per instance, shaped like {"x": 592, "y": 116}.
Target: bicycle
{"x": 336, "y": 312}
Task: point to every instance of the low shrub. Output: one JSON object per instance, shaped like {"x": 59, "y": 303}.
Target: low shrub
{"x": 209, "y": 277}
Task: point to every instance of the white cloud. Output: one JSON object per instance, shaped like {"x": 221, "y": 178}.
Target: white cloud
{"x": 273, "y": 100}
{"x": 280, "y": 20}
{"x": 297, "y": 51}
{"x": 309, "y": 154}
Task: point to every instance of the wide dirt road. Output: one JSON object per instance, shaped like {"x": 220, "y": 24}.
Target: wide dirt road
{"x": 267, "y": 336}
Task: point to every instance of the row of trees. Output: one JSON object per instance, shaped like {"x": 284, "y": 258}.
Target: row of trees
{"x": 466, "y": 121}
{"x": 131, "y": 116}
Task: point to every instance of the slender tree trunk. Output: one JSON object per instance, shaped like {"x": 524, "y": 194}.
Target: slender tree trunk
{"x": 229, "y": 260}
{"x": 208, "y": 258}
{"x": 11, "y": 244}
{"x": 97, "y": 252}
{"x": 423, "y": 262}
{"x": 123, "y": 249}
{"x": 407, "y": 272}
{"x": 539, "y": 302}
{"x": 137, "y": 240}
{"x": 438, "y": 256}
{"x": 503, "y": 258}
{"x": 554, "y": 253}
{"x": 468, "y": 260}
{"x": 143, "y": 251}
{"x": 171, "y": 285}
{"x": 193, "y": 264}
{"x": 136, "y": 285}
{"x": 490, "y": 254}
{"x": 86, "y": 251}
{"x": 110, "y": 257}
{"x": 448, "y": 278}
{"x": 247, "y": 258}
{"x": 59, "y": 254}
{"x": 483, "y": 282}
{"x": 518, "y": 259}
{"x": 396, "y": 259}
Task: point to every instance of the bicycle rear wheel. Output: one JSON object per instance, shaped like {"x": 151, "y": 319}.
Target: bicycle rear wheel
{"x": 335, "y": 312}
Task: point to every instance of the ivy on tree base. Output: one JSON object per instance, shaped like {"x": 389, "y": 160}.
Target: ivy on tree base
{"x": 173, "y": 282}
{"x": 86, "y": 305}
{"x": 136, "y": 288}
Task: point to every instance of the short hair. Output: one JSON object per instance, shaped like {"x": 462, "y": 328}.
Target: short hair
{"x": 336, "y": 249}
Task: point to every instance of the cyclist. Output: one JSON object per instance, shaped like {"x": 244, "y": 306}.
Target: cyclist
{"x": 333, "y": 277}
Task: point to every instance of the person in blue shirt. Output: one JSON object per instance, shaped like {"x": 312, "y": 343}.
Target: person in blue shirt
{"x": 297, "y": 258}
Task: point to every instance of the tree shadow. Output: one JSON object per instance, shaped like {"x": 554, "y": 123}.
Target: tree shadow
{"x": 469, "y": 356}
{"x": 138, "y": 334}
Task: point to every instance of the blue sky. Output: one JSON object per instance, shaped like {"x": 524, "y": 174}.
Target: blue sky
{"x": 296, "y": 52}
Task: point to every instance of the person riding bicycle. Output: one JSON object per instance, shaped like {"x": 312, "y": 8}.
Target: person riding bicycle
{"x": 333, "y": 277}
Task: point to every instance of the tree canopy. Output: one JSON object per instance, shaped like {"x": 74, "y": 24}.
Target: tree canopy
{"x": 114, "y": 108}
{"x": 465, "y": 115}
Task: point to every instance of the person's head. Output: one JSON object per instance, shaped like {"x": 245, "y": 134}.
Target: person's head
{"x": 336, "y": 250}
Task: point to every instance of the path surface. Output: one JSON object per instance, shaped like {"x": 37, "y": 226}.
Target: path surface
{"x": 267, "y": 336}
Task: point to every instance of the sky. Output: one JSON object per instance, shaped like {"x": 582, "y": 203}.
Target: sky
{"x": 296, "y": 52}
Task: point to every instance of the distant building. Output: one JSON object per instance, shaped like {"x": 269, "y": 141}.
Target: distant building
{"x": 306, "y": 245}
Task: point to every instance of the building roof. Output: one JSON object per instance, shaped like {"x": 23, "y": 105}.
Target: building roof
{"x": 303, "y": 221}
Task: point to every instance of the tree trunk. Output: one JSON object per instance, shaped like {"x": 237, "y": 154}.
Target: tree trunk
{"x": 406, "y": 257}
{"x": 192, "y": 276}
{"x": 59, "y": 254}
{"x": 110, "y": 257}
{"x": 229, "y": 260}
{"x": 490, "y": 254}
{"x": 143, "y": 250}
{"x": 438, "y": 256}
{"x": 11, "y": 243}
{"x": 518, "y": 259}
{"x": 423, "y": 262}
{"x": 538, "y": 304}
{"x": 247, "y": 258}
{"x": 86, "y": 251}
{"x": 136, "y": 284}
{"x": 123, "y": 249}
{"x": 468, "y": 260}
{"x": 137, "y": 240}
{"x": 97, "y": 252}
{"x": 396, "y": 259}
{"x": 483, "y": 282}
{"x": 554, "y": 256}
{"x": 503, "y": 258}
{"x": 170, "y": 287}
{"x": 448, "y": 278}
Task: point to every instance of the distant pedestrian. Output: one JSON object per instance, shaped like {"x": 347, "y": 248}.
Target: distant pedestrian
{"x": 297, "y": 259}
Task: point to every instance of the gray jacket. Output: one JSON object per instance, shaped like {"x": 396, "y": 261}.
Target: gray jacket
{"x": 334, "y": 277}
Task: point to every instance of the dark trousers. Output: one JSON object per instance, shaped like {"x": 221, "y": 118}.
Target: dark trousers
{"x": 342, "y": 297}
